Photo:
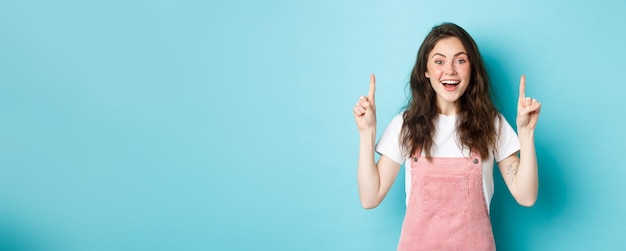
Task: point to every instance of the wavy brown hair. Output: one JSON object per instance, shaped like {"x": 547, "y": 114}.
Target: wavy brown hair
{"x": 477, "y": 112}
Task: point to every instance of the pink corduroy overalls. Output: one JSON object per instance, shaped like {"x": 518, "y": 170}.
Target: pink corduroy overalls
{"x": 446, "y": 209}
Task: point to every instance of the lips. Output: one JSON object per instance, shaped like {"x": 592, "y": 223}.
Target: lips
{"x": 450, "y": 85}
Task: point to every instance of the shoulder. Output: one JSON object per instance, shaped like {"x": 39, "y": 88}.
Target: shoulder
{"x": 507, "y": 141}
{"x": 389, "y": 143}
{"x": 499, "y": 118}
{"x": 398, "y": 119}
{"x": 503, "y": 128}
{"x": 501, "y": 122}
{"x": 396, "y": 122}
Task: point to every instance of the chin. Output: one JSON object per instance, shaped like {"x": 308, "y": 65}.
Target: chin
{"x": 452, "y": 99}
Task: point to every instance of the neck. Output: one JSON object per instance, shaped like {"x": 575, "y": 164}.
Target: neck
{"x": 448, "y": 109}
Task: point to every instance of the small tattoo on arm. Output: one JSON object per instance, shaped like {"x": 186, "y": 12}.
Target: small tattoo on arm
{"x": 511, "y": 169}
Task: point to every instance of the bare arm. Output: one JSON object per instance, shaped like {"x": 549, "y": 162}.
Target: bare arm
{"x": 374, "y": 179}
{"x": 521, "y": 173}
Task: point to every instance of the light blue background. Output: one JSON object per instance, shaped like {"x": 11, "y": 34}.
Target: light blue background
{"x": 195, "y": 125}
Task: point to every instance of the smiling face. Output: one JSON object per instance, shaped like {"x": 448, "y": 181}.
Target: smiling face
{"x": 449, "y": 72}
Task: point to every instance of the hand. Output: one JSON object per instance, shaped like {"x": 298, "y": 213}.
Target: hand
{"x": 527, "y": 108}
{"x": 365, "y": 109}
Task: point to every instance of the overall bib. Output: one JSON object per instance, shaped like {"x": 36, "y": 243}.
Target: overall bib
{"x": 446, "y": 209}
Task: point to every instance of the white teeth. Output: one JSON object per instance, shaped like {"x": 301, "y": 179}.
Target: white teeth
{"x": 450, "y": 82}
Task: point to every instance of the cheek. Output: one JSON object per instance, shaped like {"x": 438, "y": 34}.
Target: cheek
{"x": 433, "y": 72}
{"x": 466, "y": 69}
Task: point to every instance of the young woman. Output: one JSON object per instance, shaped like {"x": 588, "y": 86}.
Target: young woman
{"x": 448, "y": 138}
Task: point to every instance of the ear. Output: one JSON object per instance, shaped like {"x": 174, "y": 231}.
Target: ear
{"x": 427, "y": 74}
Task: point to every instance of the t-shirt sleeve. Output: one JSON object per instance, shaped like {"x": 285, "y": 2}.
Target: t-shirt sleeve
{"x": 508, "y": 142}
{"x": 389, "y": 143}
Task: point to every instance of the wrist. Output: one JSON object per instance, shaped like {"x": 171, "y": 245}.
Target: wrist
{"x": 526, "y": 133}
{"x": 367, "y": 133}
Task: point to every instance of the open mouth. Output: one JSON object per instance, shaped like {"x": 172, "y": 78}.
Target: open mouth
{"x": 450, "y": 85}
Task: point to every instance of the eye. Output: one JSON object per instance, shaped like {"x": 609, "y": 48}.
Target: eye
{"x": 460, "y": 61}
{"x": 438, "y": 61}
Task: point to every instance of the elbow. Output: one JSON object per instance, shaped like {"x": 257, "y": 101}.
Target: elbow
{"x": 526, "y": 197}
{"x": 527, "y": 202}
{"x": 369, "y": 204}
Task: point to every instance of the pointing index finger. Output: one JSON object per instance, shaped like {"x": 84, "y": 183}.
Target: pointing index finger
{"x": 372, "y": 91}
{"x": 522, "y": 88}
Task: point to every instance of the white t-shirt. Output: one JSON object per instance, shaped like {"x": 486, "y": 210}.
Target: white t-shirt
{"x": 447, "y": 144}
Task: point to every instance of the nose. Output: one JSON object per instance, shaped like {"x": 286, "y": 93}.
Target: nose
{"x": 450, "y": 69}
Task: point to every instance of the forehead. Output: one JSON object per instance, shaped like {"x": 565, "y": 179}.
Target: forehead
{"x": 449, "y": 46}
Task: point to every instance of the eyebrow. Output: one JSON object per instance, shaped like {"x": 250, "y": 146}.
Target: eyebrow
{"x": 439, "y": 54}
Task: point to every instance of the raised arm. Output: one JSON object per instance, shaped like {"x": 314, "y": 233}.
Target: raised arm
{"x": 374, "y": 179}
{"x": 520, "y": 173}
